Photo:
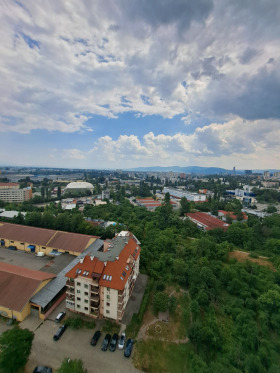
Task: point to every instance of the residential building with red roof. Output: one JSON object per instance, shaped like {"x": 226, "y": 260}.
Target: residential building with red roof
{"x": 101, "y": 284}
{"x": 17, "y": 286}
{"x": 230, "y": 214}
{"x": 206, "y": 222}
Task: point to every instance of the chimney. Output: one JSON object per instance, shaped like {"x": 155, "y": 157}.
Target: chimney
{"x": 105, "y": 263}
{"x": 91, "y": 257}
{"x": 81, "y": 260}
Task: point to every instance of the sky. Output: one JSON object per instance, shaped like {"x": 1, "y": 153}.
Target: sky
{"x": 137, "y": 83}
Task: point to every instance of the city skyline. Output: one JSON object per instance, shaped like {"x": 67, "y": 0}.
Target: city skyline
{"x": 135, "y": 84}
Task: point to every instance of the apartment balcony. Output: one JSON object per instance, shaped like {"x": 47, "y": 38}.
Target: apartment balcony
{"x": 94, "y": 283}
{"x": 70, "y": 291}
{"x": 94, "y": 306}
{"x": 70, "y": 283}
{"x": 70, "y": 297}
{"x": 94, "y": 314}
{"x": 94, "y": 290}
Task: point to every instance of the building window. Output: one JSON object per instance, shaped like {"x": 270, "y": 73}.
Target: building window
{"x": 22, "y": 243}
{"x": 78, "y": 284}
{"x": 108, "y": 297}
{"x": 108, "y": 304}
{"x": 86, "y": 300}
{"x": 78, "y": 306}
{"x": 78, "y": 291}
{"x": 86, "y": 286}
{"x": 43, "y": 248}
{"x": 108, "y": 289}
{"x": 107, "y": 311}
{"x": 86, "y": 308}
{"x": 86, "y": 293}
{"x": 12, "y": 241}
{"x": 78, "y": 298}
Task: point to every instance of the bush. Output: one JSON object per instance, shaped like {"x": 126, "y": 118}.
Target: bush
{"x": 77, "y": 323}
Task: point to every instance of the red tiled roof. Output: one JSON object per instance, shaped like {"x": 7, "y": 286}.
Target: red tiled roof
{"x": 231, "y": 214}
{"x": 88, "y": 265}
{"x": 116, "y": 268}
{"x": 18, "y": 284}
{"x": 208, "y": 221}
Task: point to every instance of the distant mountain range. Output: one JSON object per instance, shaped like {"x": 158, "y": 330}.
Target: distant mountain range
{"x": 191, "y": 169}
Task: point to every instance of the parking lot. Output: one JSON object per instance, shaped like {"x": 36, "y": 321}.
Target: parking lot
{"x": 74, "y": 344}
{"x": 29, "y": 260}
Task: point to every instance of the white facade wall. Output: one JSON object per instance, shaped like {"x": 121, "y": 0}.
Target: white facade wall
{"x": 82, "y": 295}
{"x": 110, "y": 303}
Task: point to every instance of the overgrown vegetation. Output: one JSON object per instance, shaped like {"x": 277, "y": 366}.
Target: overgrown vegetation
{"x": 77, "y": 322}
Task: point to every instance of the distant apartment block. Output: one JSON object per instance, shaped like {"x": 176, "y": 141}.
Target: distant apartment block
{"x": 14, "y": 194}
{"x": 101, "y": 284}
{"x": 195, "y": 197}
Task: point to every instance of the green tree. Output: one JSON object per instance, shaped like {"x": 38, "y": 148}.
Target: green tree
{"x": 59, "y": 191}
{"x": 160, "y": 302}
{"x": 73, "y": 366}
{"x": 185, "y": 206}
{"x": 43, "y": 191}
{"x": 15, "y": 347}
{"x": 271, "y": 209}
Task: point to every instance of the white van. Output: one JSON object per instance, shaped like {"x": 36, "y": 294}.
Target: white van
{"x": 40, "y": 253}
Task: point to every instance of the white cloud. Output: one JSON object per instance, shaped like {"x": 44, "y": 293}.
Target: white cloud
{"x": 235, "y": 141}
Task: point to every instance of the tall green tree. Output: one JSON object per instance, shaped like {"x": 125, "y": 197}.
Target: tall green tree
{"x": 15, "y": 347}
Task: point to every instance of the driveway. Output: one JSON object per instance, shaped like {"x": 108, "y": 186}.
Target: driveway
{"x": 75, "y": 344}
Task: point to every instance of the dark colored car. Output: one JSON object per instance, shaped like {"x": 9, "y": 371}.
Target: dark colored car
{"x": 42, "y": 369}
{"x": 60, "y": 316}
{"x": 95, "y": 338}
{"x": 128, "y": 348}
{"x": 114, "y": 342}
{"x": 106, "y": 342}
{"x": 12, "y": 248}
{"x": 59, "y": 333}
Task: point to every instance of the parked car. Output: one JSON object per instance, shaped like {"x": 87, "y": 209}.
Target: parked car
{"x": 95, "y": 338}
{"x": 122, "y": 341}
{"x": 42, "y": 369}
{"x": 60, "y": 316}
{"x": 12, "y": 248}
{"x": 114, "y": 342}
{"x": 128, "y": 348}
{"x": 106, "y": 342}
{"x": 59, "y": 333}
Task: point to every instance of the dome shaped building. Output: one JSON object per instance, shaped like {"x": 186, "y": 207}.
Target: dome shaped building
{"x": 79, "y": 186}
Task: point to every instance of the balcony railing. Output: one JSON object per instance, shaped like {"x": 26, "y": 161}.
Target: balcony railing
{"x": 94, "y": 290}
{"x": 94, "y": 314}
{"x": 70, "y": 283}
{"x": 95, "y": 307}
